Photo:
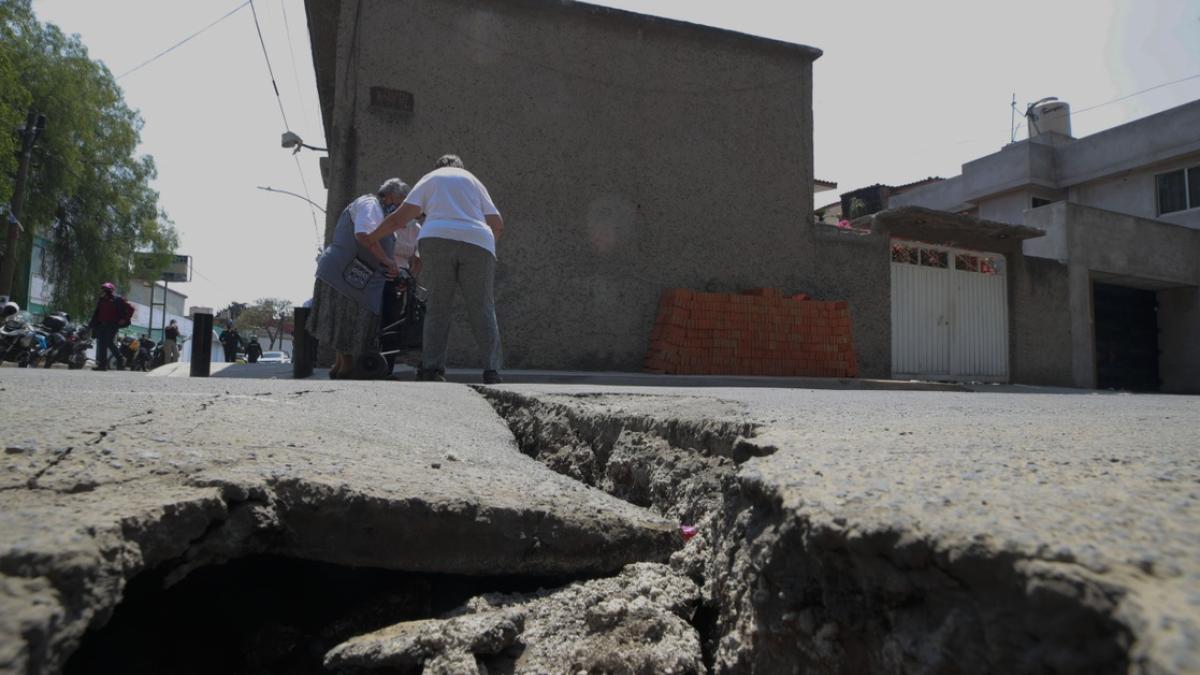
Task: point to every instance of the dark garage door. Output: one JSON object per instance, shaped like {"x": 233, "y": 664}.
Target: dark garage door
{"x": 1126, "y": 338}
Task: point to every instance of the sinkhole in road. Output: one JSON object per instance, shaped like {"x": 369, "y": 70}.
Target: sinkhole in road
{"x": 266, "y": 614}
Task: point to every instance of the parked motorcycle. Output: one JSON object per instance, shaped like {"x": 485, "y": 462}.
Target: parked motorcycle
{"x": 51, "y": 338}
{"x": 144, "y": 357}
{"x": 68, "y": 345}
{"x": 127, "y": 348}
{"x": 18, "y": 339}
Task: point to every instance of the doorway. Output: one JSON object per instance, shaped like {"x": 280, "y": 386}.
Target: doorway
{"x": 1126, "y": 330}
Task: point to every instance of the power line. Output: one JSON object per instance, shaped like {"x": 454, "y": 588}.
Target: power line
{"x": 279, "y": 99}
{"x": 287, "y": 29}
{"x": 172, "y": 48}
{"x": 270, "y": 70}
{"x": 308, "y": 198}
{"x": 1136, "y": 93}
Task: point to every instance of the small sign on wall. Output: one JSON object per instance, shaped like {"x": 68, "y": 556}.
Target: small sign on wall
{"x": 391, "y": 100}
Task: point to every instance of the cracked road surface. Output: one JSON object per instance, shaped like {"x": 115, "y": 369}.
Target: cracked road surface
{"x": 853, "y": 530}
{"x": 915, "y": 523}
{"x": 106, "y": 476}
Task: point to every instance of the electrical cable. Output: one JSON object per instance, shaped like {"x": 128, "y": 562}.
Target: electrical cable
{"x": 1136, "y": 93}
{"x": 287, "y": 29}
{"x": 172, "y": 48}
{"x": 311, "y": 211}
{"x": 279, "y": 99}
{"x": 270, "y": 70}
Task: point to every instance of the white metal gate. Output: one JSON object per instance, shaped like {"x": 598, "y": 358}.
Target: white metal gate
{"x": 949, "y": 313}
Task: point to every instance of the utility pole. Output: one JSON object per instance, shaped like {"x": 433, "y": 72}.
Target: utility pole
{"x": 34, "y": 125}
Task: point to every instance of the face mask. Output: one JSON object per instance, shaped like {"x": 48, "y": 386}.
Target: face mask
{"x": 389, "y": 208}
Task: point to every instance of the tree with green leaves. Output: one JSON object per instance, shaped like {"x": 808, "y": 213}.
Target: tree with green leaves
{"x": 89, "y": 191}
{"x": 266, "y": 315}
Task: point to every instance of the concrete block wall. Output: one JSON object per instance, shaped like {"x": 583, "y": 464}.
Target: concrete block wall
{"x": 627, "y": 156}
{"x": 1041, "y": 348}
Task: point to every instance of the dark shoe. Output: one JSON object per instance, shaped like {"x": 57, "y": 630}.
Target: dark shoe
{"x": 333, "y": 374}
{"x": 492, "y": 377}
{"x": 103, "y": 370}
{"x": 430, "y": 375}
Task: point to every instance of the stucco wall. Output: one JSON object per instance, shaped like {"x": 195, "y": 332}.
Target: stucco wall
{"x": 1041, "y": 345}
{"x": 1179, "y": 340}
{"x": 1135, "y": 193}
{"x": 626, "y": 157}
{"x": 1115, "y": 243}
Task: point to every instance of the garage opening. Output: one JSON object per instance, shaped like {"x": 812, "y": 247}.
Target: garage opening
{"x": 1126, "y": 329}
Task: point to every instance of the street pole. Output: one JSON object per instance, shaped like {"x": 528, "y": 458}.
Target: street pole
{"x": 34, "y": 124}
{"x": 162, "y": 335}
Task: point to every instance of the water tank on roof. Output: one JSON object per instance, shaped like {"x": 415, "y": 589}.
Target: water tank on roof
{"x": 1049, "y": 116}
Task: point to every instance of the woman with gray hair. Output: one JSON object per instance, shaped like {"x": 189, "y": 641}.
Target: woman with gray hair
{"x": 351, "y": 274}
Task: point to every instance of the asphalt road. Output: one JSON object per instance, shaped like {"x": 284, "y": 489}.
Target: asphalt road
{"x": 1099, "y": 486}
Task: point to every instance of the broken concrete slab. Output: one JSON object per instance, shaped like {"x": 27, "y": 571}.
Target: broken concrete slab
{"x": 869, "y": 531}
{"x": 636, "y": 622}
{"x": 123, "y": 474}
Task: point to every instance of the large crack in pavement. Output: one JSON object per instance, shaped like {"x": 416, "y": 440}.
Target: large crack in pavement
{"x": 782, "y": 591}
{"x": 791, "y": 567}
{"x": 445, "y": 500}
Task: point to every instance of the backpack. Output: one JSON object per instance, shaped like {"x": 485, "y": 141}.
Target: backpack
{"x": 124, "y": 312}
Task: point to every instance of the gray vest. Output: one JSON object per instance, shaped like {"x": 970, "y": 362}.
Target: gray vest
{"x": 352, "y": 269}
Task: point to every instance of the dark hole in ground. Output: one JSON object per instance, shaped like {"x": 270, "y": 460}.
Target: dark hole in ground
{"x": 267, "y": 614}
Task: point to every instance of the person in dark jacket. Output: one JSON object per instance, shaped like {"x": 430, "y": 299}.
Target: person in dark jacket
{"x": 253, "y": 349}
{"x": 111, "y": 314}
{"x": 231, "y": 342}
{"x": 171, "y": 342}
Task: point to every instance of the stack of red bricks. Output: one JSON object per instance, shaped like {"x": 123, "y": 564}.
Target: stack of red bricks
{"x": 757, "y": 332}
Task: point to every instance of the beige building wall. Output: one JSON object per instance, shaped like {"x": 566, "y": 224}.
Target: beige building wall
{"x": 627, "y": 154}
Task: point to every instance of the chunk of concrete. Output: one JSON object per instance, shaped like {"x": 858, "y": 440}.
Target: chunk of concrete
{"x": 636, "y": 622}
{"x": 146, "y": 472}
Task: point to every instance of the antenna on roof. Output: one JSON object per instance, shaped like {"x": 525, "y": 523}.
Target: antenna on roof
{"x": 1012, "y": 120}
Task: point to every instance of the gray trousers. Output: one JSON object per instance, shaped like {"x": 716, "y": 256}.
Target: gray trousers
{"x": 448, "y": 265}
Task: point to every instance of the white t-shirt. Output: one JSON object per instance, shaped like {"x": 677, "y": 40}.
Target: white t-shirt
{"x": 406, "y": 244}
{"x": 366, "y": 214}
{"x": 455, "y": 203}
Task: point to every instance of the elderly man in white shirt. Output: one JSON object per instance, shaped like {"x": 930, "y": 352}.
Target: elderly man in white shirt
{"x": 458, "y": 251}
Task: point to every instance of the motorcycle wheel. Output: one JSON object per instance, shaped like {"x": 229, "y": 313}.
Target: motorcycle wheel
{"x": 74, "y": 364}
{"x": 23, "y": 361}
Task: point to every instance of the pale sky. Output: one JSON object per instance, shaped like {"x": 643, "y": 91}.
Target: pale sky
{"x": 905, "y": 90}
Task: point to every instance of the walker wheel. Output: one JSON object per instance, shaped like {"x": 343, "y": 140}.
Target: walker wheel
{"x": 371, "y": 367}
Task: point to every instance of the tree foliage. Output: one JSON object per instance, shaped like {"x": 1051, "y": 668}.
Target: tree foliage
{"x": 89, "y": 191}
{"x": 266, "y": 316}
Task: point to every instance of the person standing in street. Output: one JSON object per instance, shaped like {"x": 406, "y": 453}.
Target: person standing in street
{"x": 171, "y": 342}
{"x": 351, "y": 275}
{"x": 112, "y": 313}
{"x": 457, "y": 245}
{"x": 231, "y": 342}
{"x": 253, "y": 349}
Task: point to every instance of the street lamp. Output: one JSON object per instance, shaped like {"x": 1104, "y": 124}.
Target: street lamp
{"x": 292, "y": 140}
{"x": 268, "y": 188}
